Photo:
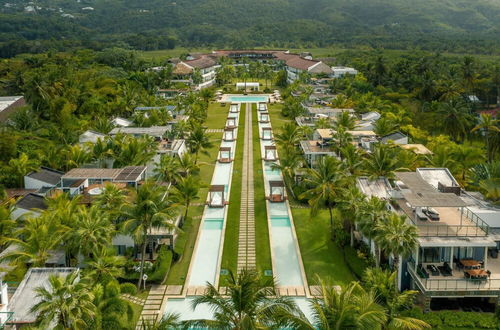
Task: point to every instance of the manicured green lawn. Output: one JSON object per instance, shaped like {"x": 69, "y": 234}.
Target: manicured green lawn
{"x": 277, "y": 119}
{"x": 231, "y": 236}
{"x": 262, "y": 249}
{"x": 319, "y": 254}
{"x": 217, "y": 115}
{"x": 137, "y": 313}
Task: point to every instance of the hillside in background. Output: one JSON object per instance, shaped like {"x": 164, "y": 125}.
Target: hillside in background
{"x": 443, "y": 25}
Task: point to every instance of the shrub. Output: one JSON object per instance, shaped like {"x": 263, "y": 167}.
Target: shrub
{"x": 128, "y": 288}
{"x": 161, "y": 266}
{"x": 455, "y": 319}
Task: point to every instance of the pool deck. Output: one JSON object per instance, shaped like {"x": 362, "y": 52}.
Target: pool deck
{"x": 288, "y": 267}
{"x": 226, "y": 98}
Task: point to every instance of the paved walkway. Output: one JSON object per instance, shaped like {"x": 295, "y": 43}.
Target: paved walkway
{"x": 214, "y": 130}
{"x": 152, "y": 306}
{"x": 134, "y": 299}
{"x": 246, "y": 243}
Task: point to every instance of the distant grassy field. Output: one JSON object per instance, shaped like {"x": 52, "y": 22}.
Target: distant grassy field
{"x": 159, "y": 55}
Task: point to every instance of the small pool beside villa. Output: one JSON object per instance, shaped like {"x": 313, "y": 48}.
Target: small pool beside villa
{"x": 245, "y": 98}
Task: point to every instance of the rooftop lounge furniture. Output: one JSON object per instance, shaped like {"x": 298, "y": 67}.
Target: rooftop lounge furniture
{"x": 420, "y": 215}
{"x": 433, "y": 269}
{"x": 445, "y": 270}
{"x": 216, "y": 196}
{"x": 431, "y": 213}
{"x": 277, "y": 191}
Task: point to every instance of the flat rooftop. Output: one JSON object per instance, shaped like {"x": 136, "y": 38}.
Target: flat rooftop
{"x": 313, "y": 146}
{"x": 25, "y": 296}
{"x": 379, "y": 188}
{"x": 153, "y": 130}
{"x": 7, "y": 101}
{"x": 131, "y": 173}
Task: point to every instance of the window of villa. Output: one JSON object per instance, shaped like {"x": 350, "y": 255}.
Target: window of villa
{"x": 435, "y": 254}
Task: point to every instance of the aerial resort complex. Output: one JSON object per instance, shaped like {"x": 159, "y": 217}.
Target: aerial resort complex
{"x": 249, "y": 189}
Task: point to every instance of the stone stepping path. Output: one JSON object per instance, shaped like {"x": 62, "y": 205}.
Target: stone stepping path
{"x": 214, "y": 130}
{"x": 152, "y": 305}
{"x": 246, "y": 242}
{"x": 133, "y": 299}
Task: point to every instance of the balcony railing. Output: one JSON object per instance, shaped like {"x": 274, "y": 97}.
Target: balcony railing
{"x": 4, "y": 318}
{"x": 453, "y": 284}
{"x": 451, "y": 230}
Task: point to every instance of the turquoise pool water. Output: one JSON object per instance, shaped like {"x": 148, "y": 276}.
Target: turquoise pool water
{"x": 213, "y": 223}
{"x": 248, "y": 98}
{"x": 280, "y": 221}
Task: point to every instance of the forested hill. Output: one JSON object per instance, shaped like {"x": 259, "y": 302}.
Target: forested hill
{"x": 445, "y": 25}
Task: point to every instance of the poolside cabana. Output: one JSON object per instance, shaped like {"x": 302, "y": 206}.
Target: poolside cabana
{"x": 231, "y": 122}
{"x": 262, "y": 106}
{"x": 270, "y": 153}
{"x": 267, "y": 133}
{"x": 264, "y": 117}
{"x": 225, "y": 155}
{"x": 228, "y": 134}
{"x": 277, "y": 191}
{"x": 234, "y": 108}
{"x": 216, "y": 197}
{"x": 253, "y": 86}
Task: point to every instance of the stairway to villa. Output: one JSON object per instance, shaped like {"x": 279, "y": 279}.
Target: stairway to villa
{"x": 246, "y": 243}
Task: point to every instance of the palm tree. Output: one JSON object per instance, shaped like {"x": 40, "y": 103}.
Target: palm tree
{"x": 382, "y": 162}
{"x": 167, "y": 322}
{"x": 370, "y": 214}
{"x": 21, "y": 166}
{"x": 110, "y": 307}
{"x": 352, "y": 159}
{"x": 7, "y": 223}
{"x": 344, "y": 120}
{"x": 454, "y": 118}
{"x": 129, "y": 150}
{"x": 290, "y": 162}
{"x": 323, "y": 123}
{"x": 247, "y": 303}
{"x": 75, "y": 155}
{"x": 324, "y": 183}
{"x": 383, "y": 283}
{"x": 351, "y": 307}
{"x": 188, "y": 165}
{"x": 92, "y": 230}
{"x": 66, "y": 303}
{"x": 35, "y": 241}
{"x": 198, "y": 140}
{"x": 104, "y": 266}
{"x": 167, "y": 169}
{"x": 185, "y": 192}
{"x": 466, "y": 157}
{"x": 289, "y": 135}
{"x": 150, "y": 208}
{"x": 489, "y": 127}
{"x": 111, "y": 199}
{"x": 341, "y": 139}
{"x": 349, "y": 204}
{"x": 385, "y": 126}
{"x": 396, "y": 237}
{"x": 101, "y": 151}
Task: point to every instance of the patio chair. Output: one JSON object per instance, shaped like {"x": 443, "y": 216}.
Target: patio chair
{"x": 422, "y": 272}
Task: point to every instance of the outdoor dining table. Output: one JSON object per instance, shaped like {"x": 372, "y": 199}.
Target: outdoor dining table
{"x": 470, "y": 264}
{"x": 477, "y": 273}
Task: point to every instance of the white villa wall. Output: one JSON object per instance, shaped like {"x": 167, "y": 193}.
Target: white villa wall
{"x": 121, "y": 239}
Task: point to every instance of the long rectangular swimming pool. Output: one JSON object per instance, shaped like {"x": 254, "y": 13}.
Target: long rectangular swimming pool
{"x": 248, "y": 98}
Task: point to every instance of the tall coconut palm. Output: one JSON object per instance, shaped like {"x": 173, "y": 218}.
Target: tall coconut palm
{"x": 383, "y": 283}
{"x": 185, "y": 192}
{"x": 7, "y": 223}
{"x": 466, "y": 157}
{"x": 382, "y": 162}
{"x": 454, "y": 118}
{"x": 371, "y": 212}
{"x": 65, "y": 303}
{"x": 290, "y": 162}
{"x": 344, "y": 120}
{"x": 151, "y": 208}
{"x": 198, "y": 141}
{"x": 36, "y": 241}
{"x": 105, "y": 266}
{"x": 323, "y": 123}
{"x": 167, "y": 322}
{"x": 351, "y": 307}
{"x": 289, "y": 135}
{"x": 342, "y": 138}
{"x": 352, "y": 159}
{"x": 134, "y": 151}
{"x": 111, "y": 199}
{"x": 350, "y": 206}
{"x": 188, "y": 165}
{"x": 75, "y": 155}
{"x": 324, "y": 186}
{"x": 247, "y": 303}
{"x": 167, "y": 169}
{"x": 92, "y": 230}
{"x": 489, "y": 127}
{"x": 396, "y": 237}
{"x": 21, "y": 166}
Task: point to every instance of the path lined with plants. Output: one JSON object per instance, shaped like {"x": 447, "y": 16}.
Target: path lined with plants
{"x": 246, "y": 242}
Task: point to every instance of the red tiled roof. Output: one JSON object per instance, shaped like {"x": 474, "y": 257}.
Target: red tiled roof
{"x": 201, "y": 63}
